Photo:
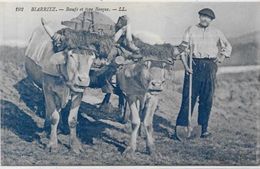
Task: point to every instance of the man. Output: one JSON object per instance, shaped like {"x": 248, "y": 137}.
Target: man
{"x": 123, "y": 39}
{"x": 123, "y": 35}
{"x": 209, "y": 46}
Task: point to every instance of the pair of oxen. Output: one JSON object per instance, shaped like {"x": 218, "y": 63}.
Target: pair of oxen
{"x": 66, "y": 76}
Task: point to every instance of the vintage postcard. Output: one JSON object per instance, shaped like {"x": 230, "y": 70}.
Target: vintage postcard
{"x": 123, "y": 83}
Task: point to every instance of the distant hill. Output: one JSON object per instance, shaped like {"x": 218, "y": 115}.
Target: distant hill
{"x": 12, "y": 54}
{"x": 246, "y": 50}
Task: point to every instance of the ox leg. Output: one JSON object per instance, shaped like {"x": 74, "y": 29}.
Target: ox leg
{"x": 122, "y": 105}
{"x": 105, "y": 106}
{"x": 75, "y": 144}
{"x": 124, "y": 117}
{"x": 125, "y": 114}
{"x": 52, "y": 117}
{"x": 121, "y": 102}
{"x": 135, "y": 119}
{"x": 150, "y": 107}
{"x": 53, "y": 143}
{"x": 106, "y": 99}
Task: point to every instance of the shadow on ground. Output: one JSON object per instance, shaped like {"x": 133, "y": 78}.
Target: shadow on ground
{"x": 18, "y": 121}
{"x": 31, "y": 95}
{"x": 24, "y": 126}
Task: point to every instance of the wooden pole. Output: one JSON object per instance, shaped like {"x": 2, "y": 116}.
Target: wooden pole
{"x": 190, "y": 92}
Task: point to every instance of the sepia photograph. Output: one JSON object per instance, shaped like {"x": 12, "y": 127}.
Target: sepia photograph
{"x": 130, "y": 83}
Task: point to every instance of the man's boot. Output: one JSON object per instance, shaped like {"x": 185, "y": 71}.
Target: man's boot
{"x": 204, "y": 131}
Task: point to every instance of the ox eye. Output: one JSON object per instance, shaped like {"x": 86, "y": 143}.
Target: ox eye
{"x": 74, "y": 59}
{"x": 163, "y": 81}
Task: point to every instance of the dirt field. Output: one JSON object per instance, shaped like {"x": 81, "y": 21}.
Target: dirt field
{"x": 233, "y": 124}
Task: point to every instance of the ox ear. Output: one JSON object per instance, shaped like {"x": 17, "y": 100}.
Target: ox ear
{"x": 163, "y": 65}
{"x": 175, "y": 51}
{"x": 147, "y": 64}
{"x": 57, "y": 58}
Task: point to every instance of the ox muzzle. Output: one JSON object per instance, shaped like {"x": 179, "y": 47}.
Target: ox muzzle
{"x": 156, "y": 87}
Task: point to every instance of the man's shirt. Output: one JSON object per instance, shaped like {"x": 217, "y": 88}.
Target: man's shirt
{"x": 207, "y": 42}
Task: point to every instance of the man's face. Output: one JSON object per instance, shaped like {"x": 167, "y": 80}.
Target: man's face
{"x": 205, "y": 20}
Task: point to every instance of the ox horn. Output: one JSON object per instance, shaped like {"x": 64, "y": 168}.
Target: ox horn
{"x": 47, "y": 28}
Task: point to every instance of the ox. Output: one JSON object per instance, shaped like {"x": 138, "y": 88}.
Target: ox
{"x": 62, "y": 77}
{"x": 141, "y": 83}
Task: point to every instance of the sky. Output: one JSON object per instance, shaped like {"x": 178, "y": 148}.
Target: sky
{"x": 166, "y": 19}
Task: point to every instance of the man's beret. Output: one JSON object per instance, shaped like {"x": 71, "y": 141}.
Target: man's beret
{"x": 208, "y": 12}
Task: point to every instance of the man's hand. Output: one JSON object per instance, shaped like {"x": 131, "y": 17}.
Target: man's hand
{"x": 188, "y": 71}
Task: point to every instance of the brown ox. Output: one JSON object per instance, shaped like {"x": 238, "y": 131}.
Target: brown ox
{"x": 141, "y": 83}
{"x": 62, "y": 77}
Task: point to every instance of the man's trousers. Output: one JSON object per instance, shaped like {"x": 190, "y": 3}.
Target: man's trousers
{"x": 203, "y": 87}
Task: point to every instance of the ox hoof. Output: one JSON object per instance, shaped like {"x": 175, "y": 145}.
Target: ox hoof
{"x": 53, "y": 147}
{"x": 129, "y": 152}
{"x": 76, "y": 147}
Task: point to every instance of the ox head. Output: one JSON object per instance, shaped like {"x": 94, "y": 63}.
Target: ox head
{"x": 78, "y": 64}
{"x": 153, "y": 75}
{"x": 75, "y": 64}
